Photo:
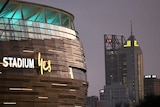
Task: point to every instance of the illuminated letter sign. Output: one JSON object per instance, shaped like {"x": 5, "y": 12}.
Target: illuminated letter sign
{"x": 128, "y": 44}
{"x": 18, "y": 62}
{"x": 44, "y": 65}
{"x": 14, "y": 62}
{"x": 135, "y": 43}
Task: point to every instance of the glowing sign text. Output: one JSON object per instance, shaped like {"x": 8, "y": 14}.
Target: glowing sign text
{"x": 18, "y": 62}
{"x": 128, "y": 44}
{"x": 44, "y": 65}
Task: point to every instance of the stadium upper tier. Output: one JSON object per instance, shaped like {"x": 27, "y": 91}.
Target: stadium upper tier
{"x": 36, "y": 13}
{"x": 21, "y": 20}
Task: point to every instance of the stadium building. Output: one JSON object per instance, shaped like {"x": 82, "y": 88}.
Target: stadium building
{"x": 42, "y": 63}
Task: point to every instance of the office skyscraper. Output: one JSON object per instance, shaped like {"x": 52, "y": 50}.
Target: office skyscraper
{"x": 112, "y": 45}
{"x": 124, "y": 64}
{"x": 131, "y": 69}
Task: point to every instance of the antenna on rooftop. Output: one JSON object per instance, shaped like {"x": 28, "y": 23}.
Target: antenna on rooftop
{"x": 131, "y": 28}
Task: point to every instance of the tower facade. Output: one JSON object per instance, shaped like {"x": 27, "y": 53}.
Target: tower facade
{"x": 131, "y": 69}
{"x": 124, "y": 64}
{"x": 112, "y": 44}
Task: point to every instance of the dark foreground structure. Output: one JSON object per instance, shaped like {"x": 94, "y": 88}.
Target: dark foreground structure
{"x": 150, "y": 101}
{"x": 42, "y": 63}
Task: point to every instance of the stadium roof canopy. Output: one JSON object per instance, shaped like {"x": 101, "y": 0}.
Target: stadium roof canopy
{"x": 36, "y": 12}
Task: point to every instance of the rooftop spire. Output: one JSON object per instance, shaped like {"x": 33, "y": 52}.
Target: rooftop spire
{"x": 131, "y": 28}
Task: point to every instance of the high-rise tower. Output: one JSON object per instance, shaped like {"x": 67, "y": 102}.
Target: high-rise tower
{"x": 112, "y": 44}
{"x": 124, "y": 64}
{"x": 131, "y": 68}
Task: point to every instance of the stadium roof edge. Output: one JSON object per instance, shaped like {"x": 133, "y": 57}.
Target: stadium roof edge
{"x": 22, "y": 1}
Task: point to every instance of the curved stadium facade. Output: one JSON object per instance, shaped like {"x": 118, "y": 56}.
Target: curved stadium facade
{"x": 42, "y": 62}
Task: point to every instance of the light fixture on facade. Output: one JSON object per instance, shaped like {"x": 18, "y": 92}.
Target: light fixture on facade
{"x": 84, "y": 83}
{"x": 72, "y": 90}
{"x": 58, "y": 84}
{"x": 9, "y": 103}
{"x": 28, "y": 51}
{"x": 42, "y": 97}
{"x": 20, "y": 89}
{"x": 51, "y": 50}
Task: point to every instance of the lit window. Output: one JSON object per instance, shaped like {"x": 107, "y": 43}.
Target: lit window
{"x": 109, "y": 40}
